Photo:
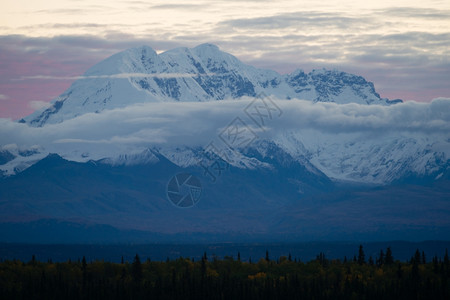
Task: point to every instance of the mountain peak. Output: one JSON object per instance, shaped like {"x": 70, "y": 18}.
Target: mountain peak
{"x": 211, "y": 51}
{"x": 139, "y": 49}
{"x": 122, "y": 80}
{"x": 145, "y": 51}
{"x": 207, "y": 46}
{"x": 320, "y": 71}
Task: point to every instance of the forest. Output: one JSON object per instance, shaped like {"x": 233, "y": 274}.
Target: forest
{"x": 358, "y": 277}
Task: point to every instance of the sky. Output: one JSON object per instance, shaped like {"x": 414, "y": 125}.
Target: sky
{"x": 401, "y": 46}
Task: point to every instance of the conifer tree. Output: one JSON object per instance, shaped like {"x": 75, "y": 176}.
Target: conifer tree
{"x": 380, "y": 260}
{"x": 389, "y": 259}
{"x": 361, "y": 255}
{"x": 136, "y": 269}
{"x": 417, "y": 258}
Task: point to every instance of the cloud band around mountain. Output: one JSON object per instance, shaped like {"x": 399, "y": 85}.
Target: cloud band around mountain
{"x": 197, "y": 124}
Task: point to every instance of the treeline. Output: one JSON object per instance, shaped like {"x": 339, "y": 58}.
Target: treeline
{"x": 381, "y": 277}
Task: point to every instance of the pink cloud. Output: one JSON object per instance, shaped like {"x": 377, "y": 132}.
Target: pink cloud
{"x": 16, "y": 63}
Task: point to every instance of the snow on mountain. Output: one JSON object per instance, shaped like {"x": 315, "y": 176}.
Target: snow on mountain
{"x": 379, "y": 160}
{"x": 344, "y": 157}
{"x": 121, "y": 83}
{"x": 203, "y": 73}
{"x": 14, "y": 160}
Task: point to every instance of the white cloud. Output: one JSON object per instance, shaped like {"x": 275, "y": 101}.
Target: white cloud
{"x": 3, "y": 97}
{"x": 410, "y": 116}
{"x": 197, "y": 124}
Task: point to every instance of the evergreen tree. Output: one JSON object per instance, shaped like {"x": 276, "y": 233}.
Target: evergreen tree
{"x": 380, "y": 260}
{"x": 399, "y": 271}
{"x": 322, "y": 259}
{"x": 446, "y": 260}
{"x": 84, "y": 270}
{"x": 415, "y": 271}
{"x": 203, "y": 268}
{"x": 136, "y": 269}
{"x": 435, "y": 264}
{"x": 417, "y": 258}
{"x": 361, "y": 256}
{"x": 389, "y": 259}
{"x": 446, "y": 263}
{"x": 424, "y": 259}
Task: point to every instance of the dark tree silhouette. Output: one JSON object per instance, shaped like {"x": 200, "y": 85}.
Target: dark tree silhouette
{"x": 380, "y": 260}
{"x": 136, "y": 269}
{"x": 389, "y": 259}
{"x": 361, "y": 256}
{"x": 183, "y": 278}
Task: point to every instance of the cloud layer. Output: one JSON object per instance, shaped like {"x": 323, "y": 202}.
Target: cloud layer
{"x": 136, "y": 127}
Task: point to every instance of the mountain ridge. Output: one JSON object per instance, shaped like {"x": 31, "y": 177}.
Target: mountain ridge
{"x": 275, "y": 204}
{"x": 202, "y": 73}
{"x": 108, "y": 161}
{"x": 140, "y": 76}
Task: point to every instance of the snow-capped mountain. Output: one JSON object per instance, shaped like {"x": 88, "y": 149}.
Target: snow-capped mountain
{"x": 285, "y": 157}
{"x": 379, "y": 160}
{"x": 203, "y": 73}
{"x": 136, "y": 78}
